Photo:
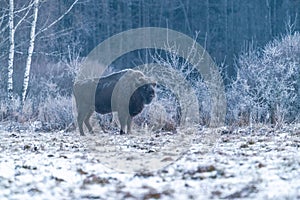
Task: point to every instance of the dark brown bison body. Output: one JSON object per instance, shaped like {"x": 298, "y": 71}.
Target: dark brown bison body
{"x": 103, "y": 97}
{"x": 108, "y": 94}
{"x": 104, "y": 91}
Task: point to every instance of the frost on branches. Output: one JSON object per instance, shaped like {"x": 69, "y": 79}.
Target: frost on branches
{"x": 266, "y": 89}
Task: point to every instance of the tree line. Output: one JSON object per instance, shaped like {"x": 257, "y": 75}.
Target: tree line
{"x": 37, "y": 36}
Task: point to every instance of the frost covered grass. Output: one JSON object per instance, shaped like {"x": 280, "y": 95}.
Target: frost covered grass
{"x": 249, "y": 163}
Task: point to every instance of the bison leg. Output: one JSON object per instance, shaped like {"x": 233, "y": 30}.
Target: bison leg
{"x": 80, "y": 119}
{"x": 84, "y": 113}
{"x": 129, "y": 120}
{"x": 87, "y": 121}
{"x": 123, "y": 121}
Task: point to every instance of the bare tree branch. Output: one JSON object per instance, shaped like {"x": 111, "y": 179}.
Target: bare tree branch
{"x": 58, "y": 19}
{"x": 24, "y": 16}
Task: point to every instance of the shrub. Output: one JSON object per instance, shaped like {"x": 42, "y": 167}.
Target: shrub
{"x": 48, "y": 102}
{"x": 266, "y": 88}
{"x": 56, "y": 113}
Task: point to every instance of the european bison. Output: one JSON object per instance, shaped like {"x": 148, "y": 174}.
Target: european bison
{"x": 125, "y": 92}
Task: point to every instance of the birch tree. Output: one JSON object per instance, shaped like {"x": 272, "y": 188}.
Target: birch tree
{"x": 30, "y": 49}
{"x": 33, "y": 36}
{"x": 12, "y": 29}
{"x": 11, "y": 50}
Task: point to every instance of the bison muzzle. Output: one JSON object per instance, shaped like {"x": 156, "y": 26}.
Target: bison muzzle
{"x": 125, "y": 92}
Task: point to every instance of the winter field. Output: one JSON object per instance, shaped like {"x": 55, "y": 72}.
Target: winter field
{"x": 229, "y": 64}
{"x": 43, "y": 157}
{"x": 245, "y": 163}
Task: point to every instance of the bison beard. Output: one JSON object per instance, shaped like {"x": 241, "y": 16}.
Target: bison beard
{"x": 98, "y": 95}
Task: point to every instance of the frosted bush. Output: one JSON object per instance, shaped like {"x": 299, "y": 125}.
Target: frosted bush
{"x": 56, "y": 113}
{"x": 266, "y": 88}
{"x": 162, "y": 113}
{"x": 13, "y": 110}
{"x": 194, "y": 85}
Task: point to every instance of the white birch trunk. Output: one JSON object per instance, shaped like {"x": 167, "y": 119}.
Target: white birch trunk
{"x": 30, "y": 50}
{"x": 10, "y": 67}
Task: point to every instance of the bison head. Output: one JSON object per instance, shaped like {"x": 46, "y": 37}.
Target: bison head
{"x": 145, "y": 87}
{"x": 141, "y": 96}
{"x": 147, "y": 92}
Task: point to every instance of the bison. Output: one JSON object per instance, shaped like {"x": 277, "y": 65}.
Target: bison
{"x": 125, "y": 92}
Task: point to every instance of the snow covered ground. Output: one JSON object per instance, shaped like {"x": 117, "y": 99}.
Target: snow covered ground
{"x": 245, "y": 163}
